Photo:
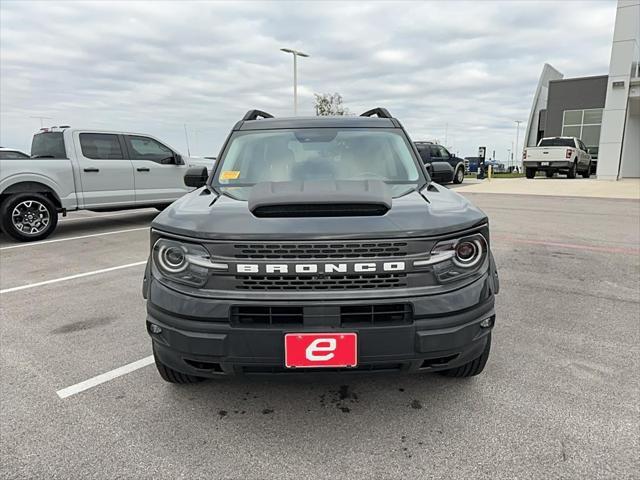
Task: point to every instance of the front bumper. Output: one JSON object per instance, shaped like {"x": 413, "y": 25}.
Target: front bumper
{"x": 441, "y": 332}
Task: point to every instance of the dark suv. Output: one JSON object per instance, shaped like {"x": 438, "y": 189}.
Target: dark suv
{"x": 431, "y": 152}
{"x": 319, "y": 244}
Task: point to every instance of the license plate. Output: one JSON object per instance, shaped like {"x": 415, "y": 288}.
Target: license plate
{"x": 319, "y": 350}
{"x": 544, "y": 164}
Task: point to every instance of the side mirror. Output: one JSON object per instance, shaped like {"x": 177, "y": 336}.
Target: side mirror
{"x": 178, "y": 159}
{"x": 429, "y": 169}
{"x": 196, "y": 177}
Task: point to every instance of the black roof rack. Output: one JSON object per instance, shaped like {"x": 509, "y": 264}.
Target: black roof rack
{"x": 380, "y": 112}
{"x": 255, "y": 114}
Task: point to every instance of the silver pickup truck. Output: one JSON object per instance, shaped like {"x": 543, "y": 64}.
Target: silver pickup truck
{"x": 567, "y": 155}
{"x": 74, "y": 169}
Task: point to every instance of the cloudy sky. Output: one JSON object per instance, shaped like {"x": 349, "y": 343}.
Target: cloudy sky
{"x": 448, "y": 70}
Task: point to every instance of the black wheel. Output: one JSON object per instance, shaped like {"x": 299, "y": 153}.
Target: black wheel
{"x": 549, "y": 174}
{"x": 573, "y": 170}
{"x": 474, "y": 367}
{"x": 28, "y": 216}
{"x": 587, "y": 172}
{"x": 171, "y": 376}
{"x": 530, "y": 172}
{"x": 459, "y": 176}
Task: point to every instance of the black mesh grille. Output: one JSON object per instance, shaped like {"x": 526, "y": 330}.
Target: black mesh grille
{"x": 376, "y": 314}
{"x": 320, "y": 250}
{"x": 329, "y": 282}
{"x": 249, "y": 315}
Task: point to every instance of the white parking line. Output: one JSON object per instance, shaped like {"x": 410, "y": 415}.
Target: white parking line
{"x": 104, "y": 377}
{"x": 35, "y": 244}
{"x": 71, "y": 277}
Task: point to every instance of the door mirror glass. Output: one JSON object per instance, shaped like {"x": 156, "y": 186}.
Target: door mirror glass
{"x": 196, "y": 177}
{"x": 178, "y": 159}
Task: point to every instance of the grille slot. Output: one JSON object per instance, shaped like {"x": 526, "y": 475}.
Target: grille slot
{"x": 329, "y": 282}
{"x": 249, "y": 315}
{"x": 376, "y": 367}
{"x": 394, "y": 313}
{"x": 320, "y": 250}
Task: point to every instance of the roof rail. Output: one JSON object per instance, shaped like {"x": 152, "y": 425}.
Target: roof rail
{"x": 255, "y": 114}
{"x": 380, "y": 112}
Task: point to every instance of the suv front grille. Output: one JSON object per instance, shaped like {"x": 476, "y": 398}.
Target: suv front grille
{"x": 349, "y": 315}
{"x": 320, "y": 250}
{"x": 329, "y": 282}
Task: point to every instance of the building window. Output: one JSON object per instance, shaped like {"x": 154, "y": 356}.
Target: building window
{"x": 585, "y": 125}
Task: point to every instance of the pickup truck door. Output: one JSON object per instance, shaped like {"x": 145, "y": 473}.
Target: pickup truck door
{"x": 158, "y": 170}
{"x": 106, "y": 174}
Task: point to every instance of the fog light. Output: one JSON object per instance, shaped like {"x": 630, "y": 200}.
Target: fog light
{"x": 487, "y": 322}
{"x": 154, "y": 328}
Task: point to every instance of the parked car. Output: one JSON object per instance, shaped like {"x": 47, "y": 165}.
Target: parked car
{"x": 566, "y": 155}
{"x": 431, "y": 152}
{"x": 319, "y": 244}
{"x": 11, "y": 154}
{"x": 75, "y": 169}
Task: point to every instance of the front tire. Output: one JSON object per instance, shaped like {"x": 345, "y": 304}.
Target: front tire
{"x": 172, "y": 376}
{"x": 572, "y": 171}
{"x": 472, "y": 368}
{"x": 530, "y": 172}
{"x": 459, "y": 176}
{"x": 28, "y": 217}
{"x": 587, "y": 172}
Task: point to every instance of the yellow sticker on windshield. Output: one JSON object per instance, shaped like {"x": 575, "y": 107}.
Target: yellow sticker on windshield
{"x": 229, "y": 175}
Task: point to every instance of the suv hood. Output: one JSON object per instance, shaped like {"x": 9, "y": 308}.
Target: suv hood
{"x": 435, "y": 210}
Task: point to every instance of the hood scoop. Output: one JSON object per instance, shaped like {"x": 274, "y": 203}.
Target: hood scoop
{"x": 323, "y": 198}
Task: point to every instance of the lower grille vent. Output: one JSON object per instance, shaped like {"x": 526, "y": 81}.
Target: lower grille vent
{"x": 395, "y": 313}
{"x": 267, "y": 315}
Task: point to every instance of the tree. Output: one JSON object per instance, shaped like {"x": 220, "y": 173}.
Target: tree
{"x": 329, "y": 104}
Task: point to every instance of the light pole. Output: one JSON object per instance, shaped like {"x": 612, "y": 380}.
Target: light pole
{"x": 41, "y": 119}
{"x": 518, "y": 122}
{"x": 295, "y": 54}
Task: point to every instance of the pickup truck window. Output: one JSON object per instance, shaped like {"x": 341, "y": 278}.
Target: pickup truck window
{"x": 145, "y": 148}
{"x": 11, "y": 155}
{"x": 48, "y": 145}
{"x": 557, "y": 142}
{"x": 101, "y": 146}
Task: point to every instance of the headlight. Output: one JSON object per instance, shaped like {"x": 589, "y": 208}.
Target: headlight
{"x": 182, "y": 262}
{"x": 456, "y": 258}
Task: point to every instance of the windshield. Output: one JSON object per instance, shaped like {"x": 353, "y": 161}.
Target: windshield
{"x": 557, "y": 142}
{"x": 48, "y": 145}
{"x": 318, "y": 154}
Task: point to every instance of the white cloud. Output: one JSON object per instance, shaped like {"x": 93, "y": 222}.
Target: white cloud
{"x": 469, "y": 68}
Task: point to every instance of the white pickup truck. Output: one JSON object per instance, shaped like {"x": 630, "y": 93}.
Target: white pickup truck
{"x": 74, "y": 169}
{"x": 566, "y": 155}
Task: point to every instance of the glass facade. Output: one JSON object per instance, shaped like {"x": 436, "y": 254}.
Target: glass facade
{"x": 585, "y": 125}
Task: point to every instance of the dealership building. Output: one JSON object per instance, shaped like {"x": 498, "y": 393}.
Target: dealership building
{"x": 604, "y": 110}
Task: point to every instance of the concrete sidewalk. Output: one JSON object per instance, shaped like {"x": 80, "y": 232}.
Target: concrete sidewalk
{"x": 579, "y": 187}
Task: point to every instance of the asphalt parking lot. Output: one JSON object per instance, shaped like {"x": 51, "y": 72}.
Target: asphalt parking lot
{"x": 559, "y": 397}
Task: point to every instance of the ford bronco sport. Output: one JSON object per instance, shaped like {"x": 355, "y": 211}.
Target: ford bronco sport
{"x": 319, "y": 244}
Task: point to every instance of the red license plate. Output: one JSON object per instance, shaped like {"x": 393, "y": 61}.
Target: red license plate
{"x": 320, "y": 350}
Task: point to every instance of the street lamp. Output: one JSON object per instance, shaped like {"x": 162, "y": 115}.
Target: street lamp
{"x": 518, "y": 122}
{"x": 295, "y": 54}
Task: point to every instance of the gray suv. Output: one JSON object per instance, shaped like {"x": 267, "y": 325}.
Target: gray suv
{"x": 319, "y": 244}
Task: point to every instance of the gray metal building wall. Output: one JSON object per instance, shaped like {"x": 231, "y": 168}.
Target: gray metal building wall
{"x": 573, "y": 94}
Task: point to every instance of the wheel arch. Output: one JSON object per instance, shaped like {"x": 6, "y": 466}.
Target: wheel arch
{"x": 31, "y": 187}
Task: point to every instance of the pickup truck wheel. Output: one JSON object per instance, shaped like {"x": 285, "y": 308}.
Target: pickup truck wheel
{"x": 587, "y": 172}
{"x": 172, "y": 376}
{"x": 530, "y": 172}
{"x": 572, "y": 171}
{"x": 473, "y": 368}
{"x": 549, "y": 173}
{"x": 28, "y": 217}
{"x": 459, "y": 176}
